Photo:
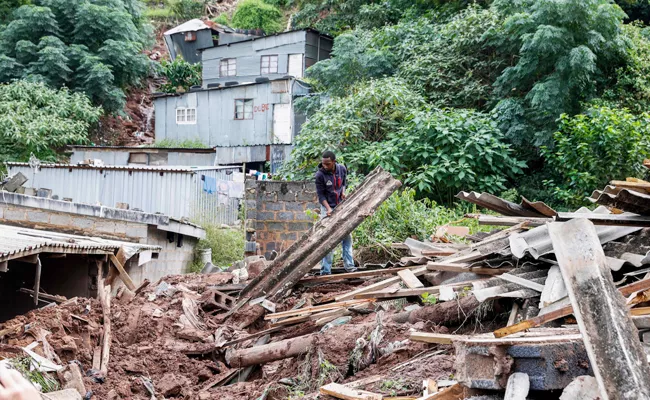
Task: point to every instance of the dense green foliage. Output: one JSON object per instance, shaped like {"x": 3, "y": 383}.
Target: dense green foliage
{"x": 227, "y": 245}
{"x": 257, "y": 14}
{"x": 186, "y": 9}
{"x": 593, "y": 148}
{"x": 8, "y": 6}
{"x": 39, "y": 120}
{"x": 180, "y": 75}
{"x": 91, "y": 47}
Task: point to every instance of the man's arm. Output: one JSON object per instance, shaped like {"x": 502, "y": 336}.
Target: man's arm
{"x": 344, "y": 182}
{"x": 321, "y": 192}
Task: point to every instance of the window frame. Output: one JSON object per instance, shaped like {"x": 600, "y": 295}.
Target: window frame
{"x": 184, "y": 112}
{"x": 227, "y": 64}
{"x": 270, "y": 57}
{"x": 252, "y": 101}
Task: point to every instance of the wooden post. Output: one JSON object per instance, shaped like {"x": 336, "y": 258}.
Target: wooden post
{"x": 611, "y": 339}
{"x": 270, "y": 352}
{"x": 37, "y": 280}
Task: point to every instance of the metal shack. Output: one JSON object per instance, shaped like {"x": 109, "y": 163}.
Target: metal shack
{"x": 247, "y": 95}
{"x": 189, "y": 38}
{"x": 178, "y": 192}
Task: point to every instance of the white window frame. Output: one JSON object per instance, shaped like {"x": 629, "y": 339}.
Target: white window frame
{"x": 244, "y": 112}
{"x": 271, "y": 66}
{"x": 183, "y": 115}
{"x": 228, "y": 67}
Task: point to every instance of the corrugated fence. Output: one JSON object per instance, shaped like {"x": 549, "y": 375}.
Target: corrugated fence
{"x": 173, "y": 191}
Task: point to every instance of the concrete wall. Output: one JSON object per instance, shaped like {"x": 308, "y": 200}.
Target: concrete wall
{"x": 215, "y": 113}
{"x": 171, "y": 259}
{"x": 276, "y": 213}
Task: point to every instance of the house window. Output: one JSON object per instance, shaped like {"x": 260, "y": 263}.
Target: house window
{"x": 244, "y": 109}
{"x": 228, "y": 67}
{"x": 186, "y": 115}
{"x": 190, "y": 36}
{"x": 269, "y": 64}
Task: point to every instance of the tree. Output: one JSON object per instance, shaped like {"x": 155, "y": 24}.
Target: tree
{"x": 8, "y": 6}
{"x": 565, "y": 51}
{"x": 256, "y": 14}
{"x": 37, "y": 119}
{"x": 90, "y": 46}
{"x": 179, "y": 74}
{"x": 590, "y": 149}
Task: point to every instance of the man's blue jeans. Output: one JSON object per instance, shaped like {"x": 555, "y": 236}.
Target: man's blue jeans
{"x": 346, "y": 244}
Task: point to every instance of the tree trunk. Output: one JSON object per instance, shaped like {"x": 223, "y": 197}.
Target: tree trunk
{"x": 270, "y": 352}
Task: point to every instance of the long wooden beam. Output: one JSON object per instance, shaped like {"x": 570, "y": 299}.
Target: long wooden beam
{"x": 611, "y": 339}
{"x": 123, "y": 274}
{"x": 352, "y": 275}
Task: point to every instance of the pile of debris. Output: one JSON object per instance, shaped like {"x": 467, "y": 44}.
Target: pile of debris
{"x": 490, "y": 316}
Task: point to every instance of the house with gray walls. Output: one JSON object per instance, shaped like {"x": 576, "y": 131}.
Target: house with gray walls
{"x": 247, "y": 96}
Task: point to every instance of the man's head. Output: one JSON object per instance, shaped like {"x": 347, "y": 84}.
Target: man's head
{"x": 329, "y": 160}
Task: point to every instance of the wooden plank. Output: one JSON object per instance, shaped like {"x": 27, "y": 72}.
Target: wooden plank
{"x": 640, "y": 311}
{"x": 523, "y": 282}
{"x": 352, "y": 275}
{"x": 123, "y": 275}
{"x": 631, "y": 185}
{"x": 290, "y": 321}
{"x": 343, "y": 392}
{"x": 37, "y": 280}
{"x": 451, "y": 393}
{"x": 510, "y": 221}
{"x": 311, "y": 310}
{"x": 410, "y": 292}
{"x": 438, "y": 253}
{"x": 450, "y": 267}
{"x": 252, "y": 336}
{"x": 379, "y": 285}
{"x": 55, "y": 298}
{"x": 410, "y": 280}
{"x": 97, "y": 358}
{"x": 610, "y": 337}
{"x": 513, "y": 314}
{"x": 607, "y": 219}
{"x": 437, "y": 338}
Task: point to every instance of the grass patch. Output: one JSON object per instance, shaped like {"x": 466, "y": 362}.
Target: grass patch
{"x": 181, "y": 144}
{"x": 158, "y": 13}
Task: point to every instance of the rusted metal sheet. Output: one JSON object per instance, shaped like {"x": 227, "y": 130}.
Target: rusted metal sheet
{"x": 494, "y": 203}
{"x": 625, "y": 199}
{"x": 538, "y": 206}
{"x": 21, "y": 242}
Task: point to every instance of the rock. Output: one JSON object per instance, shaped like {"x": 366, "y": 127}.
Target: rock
{"x": 582, "y": 388}
{"x": 112, "y": 395}
{"x": 71, "y": 378}
{"x": 170, "y": 386}
{"x": 255, "y": 265}
{"x": 195, "y": 335}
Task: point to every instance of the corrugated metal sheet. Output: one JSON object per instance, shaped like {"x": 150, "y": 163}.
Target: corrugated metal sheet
{"x": 537, "y": 242}
{"x": 175, "y": 192}
{"x": 139, "y": 148}
{"x": 144, "y": 168}
{"x": 625, "y": 199}
{"x": 494, "y": 203}
{"x": 20, "y": 242}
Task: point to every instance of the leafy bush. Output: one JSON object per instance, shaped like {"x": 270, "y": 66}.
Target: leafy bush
{"x": 8, "y": 6}
{"x": 186, "y": 9}
{"x": 591, "y": 149}
{"x": 181, "y": 144}
{"x": 222, "y": 19}
{"x": 227, "y": 244}
{"x": 180, "y": 75}
{"x": 91, "y": 47}
{"x": 36, "y": 119}
{"x": 256, "y": 14}
{"x": 403, "y": 216}
{"x": 563, "y": 51}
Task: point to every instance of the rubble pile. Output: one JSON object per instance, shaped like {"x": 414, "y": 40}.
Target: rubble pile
{"x": 546, "y": 307}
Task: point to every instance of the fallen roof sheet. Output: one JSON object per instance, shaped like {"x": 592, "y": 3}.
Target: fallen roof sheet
{"x": 538, "y": 206}
{"x": 537, "y": 241}
{"x": 625, "y": 199}
{"x": 18, "y": 242}
{"x": 494, "y": 203}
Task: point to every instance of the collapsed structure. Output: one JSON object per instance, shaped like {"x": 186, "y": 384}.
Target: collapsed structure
{"x": 384, "y": 330}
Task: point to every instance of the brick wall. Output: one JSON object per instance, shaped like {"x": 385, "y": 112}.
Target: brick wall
{"x": 276, "y": 214}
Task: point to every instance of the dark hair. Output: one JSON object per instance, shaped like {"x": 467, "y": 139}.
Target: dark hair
{"x": 330, "y": 155}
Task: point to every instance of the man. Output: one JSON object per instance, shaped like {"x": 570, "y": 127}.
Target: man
{"x": 331, "y": 179}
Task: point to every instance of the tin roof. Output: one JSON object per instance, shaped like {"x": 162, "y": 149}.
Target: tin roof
{"x": 278, "y": 34}
{"x": 146, "y": 168}
{"x": 223, "y": 87}
{"x": 623, "y": 199}
{"x": 18, "y": 242}
{"x": 136, "y": 148}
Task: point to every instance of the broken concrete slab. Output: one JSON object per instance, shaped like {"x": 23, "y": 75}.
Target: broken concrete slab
{"x": 518, "y": 387}
{"x": 582, "y": 388}
{"x": 67, "y": 394}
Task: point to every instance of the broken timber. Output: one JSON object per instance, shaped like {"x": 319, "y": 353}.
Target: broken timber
{"x": 611, "y": 340}
{"x": 294, "y": 263}
{"x": 238, "y": 358}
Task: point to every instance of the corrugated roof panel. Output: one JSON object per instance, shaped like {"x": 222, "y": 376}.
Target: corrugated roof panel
{"x": 19, "y": 242}
{"x": 145, "y": 168}
{"x": 494, "y": 203}
{"x": 626, "y": 200}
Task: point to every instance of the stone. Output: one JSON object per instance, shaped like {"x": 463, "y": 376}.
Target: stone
{"x": 582, "y": 388}
{"x": 169, "y": 386}
{"x": 71, "y": 378}
{"x": 518, "y": 387}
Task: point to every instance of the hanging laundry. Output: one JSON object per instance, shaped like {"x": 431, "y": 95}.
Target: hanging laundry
{"x": 209, "y": 184}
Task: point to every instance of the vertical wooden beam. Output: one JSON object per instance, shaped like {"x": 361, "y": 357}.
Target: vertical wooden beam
{"x": 37, "y": 280}
{"x": 611, "y": 339}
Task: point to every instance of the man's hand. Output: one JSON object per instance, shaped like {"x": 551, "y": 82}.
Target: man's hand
{"x": 343, "y": 196}
{"x": 329, "y": 212}
{"x": 14, "y": 387}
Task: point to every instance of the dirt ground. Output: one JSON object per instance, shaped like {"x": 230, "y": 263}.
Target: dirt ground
{"x": 158, "y": 335}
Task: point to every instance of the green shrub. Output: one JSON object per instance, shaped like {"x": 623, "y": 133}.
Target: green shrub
{"x": 227, "y": 244}
{"x": 180, "y": 74}
{"x": 593, "y": 148}
{"x": 186, "y": 9}
{"x": 181, "y": 144}
{"x": 37, "y": 119}
{"x": 256, "y": 14}
{"x": 222, "y": 19}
